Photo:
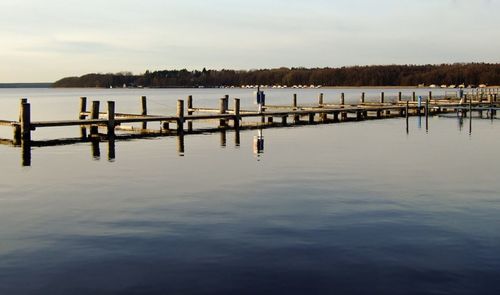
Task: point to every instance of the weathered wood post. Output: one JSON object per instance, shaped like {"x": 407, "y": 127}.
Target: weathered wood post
{"x": 311, "y": 117}
{"x": 237, "y": 117}
{"x": 226, "y": 100}
{"x": 222, "y": 110}
{"x": 343, "y": 115}
{"x": 180, "y": 116}
{"x": 82, "y": 115}
{"x": 25, "y": 122}
{"x": 17, "y": 128}
{"x": 320, "y": 100}
{"x": 414, "y": 96}
{"x": 400, "y": 97}
{"x": 382, "y": 97}
{"x": 296, "y": 118}
{"x": 362, "y": 98}
{"x": 189, "y": 112}
{"x": 111, "y": 119}
{"x": 144, "y": 110}
{"x": 335, "y": 116}
{"x": 94, "y": 114}
{"x": 83, "y": 108}
{"x": 430, "y": 95}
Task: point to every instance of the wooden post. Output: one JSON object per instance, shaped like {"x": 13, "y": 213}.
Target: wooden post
{"x": 189, "y": 112}
{"x": 180, "y": 116}
{"x": 82, "y": 116}
{"x": 359, "y": 115}
{"x": 311, "y": 117}
{"x": 111, "y": 119}
{"x": 382, "y": 97}
{"x": 144, "y": 110}
{"x": 430, "y": 95}
{"x": 283, "y": 120}
{"x": 322, "y": 116}
{"x": 226, "y": 100}
{"x": 414, "y": 96}
{"x": 26, "y": 133}
{"x": 362, "y": 97}
{"x": 296, "y": 118}
{"x": 400, "y": 96}
{"x": 237, "y": 113}
{"x": 94, "y": 114}
{"x": 222, "y": 110}
{"x": 83, "y": 108}
{"x": 335, "y": 116}
{"x": 342, "y": 99}
{"x": 25, "y": 122}
{"x": 17, "y": 128}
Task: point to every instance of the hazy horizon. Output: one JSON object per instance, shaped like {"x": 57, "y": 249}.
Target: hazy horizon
{"x": 49, "y": 40}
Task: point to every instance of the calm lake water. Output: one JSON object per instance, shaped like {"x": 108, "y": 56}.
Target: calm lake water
{"x": 351, "y": 208}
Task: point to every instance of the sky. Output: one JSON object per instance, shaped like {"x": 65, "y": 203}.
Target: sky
{"x": 45, "y": 40}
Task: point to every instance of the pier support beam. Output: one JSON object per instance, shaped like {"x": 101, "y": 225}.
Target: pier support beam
{"x": 189, "y": 112}
{"x": 82, "y": 116}
{"x": 222, "y": 110}
{"x": 144, "y": 110}
{"x": 111, "y": 120}
{"x": 94, "y": 114}
{"x": 180, "y": 116}
{"x": 237, "y": 117}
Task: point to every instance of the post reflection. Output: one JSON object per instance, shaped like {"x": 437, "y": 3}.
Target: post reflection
{"x": 96, "y": 149}
{"x": 258, "y": 143}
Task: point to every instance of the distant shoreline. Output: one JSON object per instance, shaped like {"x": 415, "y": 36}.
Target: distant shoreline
{"x": 26, "y": 85}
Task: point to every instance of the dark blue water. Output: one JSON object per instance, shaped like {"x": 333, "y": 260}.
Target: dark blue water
{"x": 352, "y": 208}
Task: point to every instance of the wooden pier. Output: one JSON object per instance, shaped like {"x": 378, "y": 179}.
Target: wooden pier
{"x": 114, "y": 125}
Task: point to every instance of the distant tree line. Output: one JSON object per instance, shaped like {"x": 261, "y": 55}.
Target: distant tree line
{"x": 384, "y": 75}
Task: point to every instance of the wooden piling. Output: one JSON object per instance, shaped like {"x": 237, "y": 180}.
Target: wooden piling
{"x": 222, "y": 110}
{"x": 189, "y": 112}
{"x": 180, "y": 116}
{"x": 362, "y": 97}
{"x": 83, "y": 108}
{"x": 430, "y": 95}
{"x": 342, "y": 99}
{"x": 94, "y": 114}
{"x": 237, "y": 117}
{"x": 144, "y": 110}
{"x": 400, "y": 97}
{"x": 296, "y": 118}
{"x": 320, "y": 99}
{"x": 25, "y": 123}
{"x": 111, "y": 119}
{"x": 311, "y": 117}
{"x": 382, "y": 97}
{"x": 414, "y": 96}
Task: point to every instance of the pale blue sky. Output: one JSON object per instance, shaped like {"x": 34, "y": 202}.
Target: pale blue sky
{"x": 44, "y": 40}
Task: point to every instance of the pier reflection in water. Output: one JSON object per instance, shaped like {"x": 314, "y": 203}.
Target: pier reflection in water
{"x": 110, "y": 140}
